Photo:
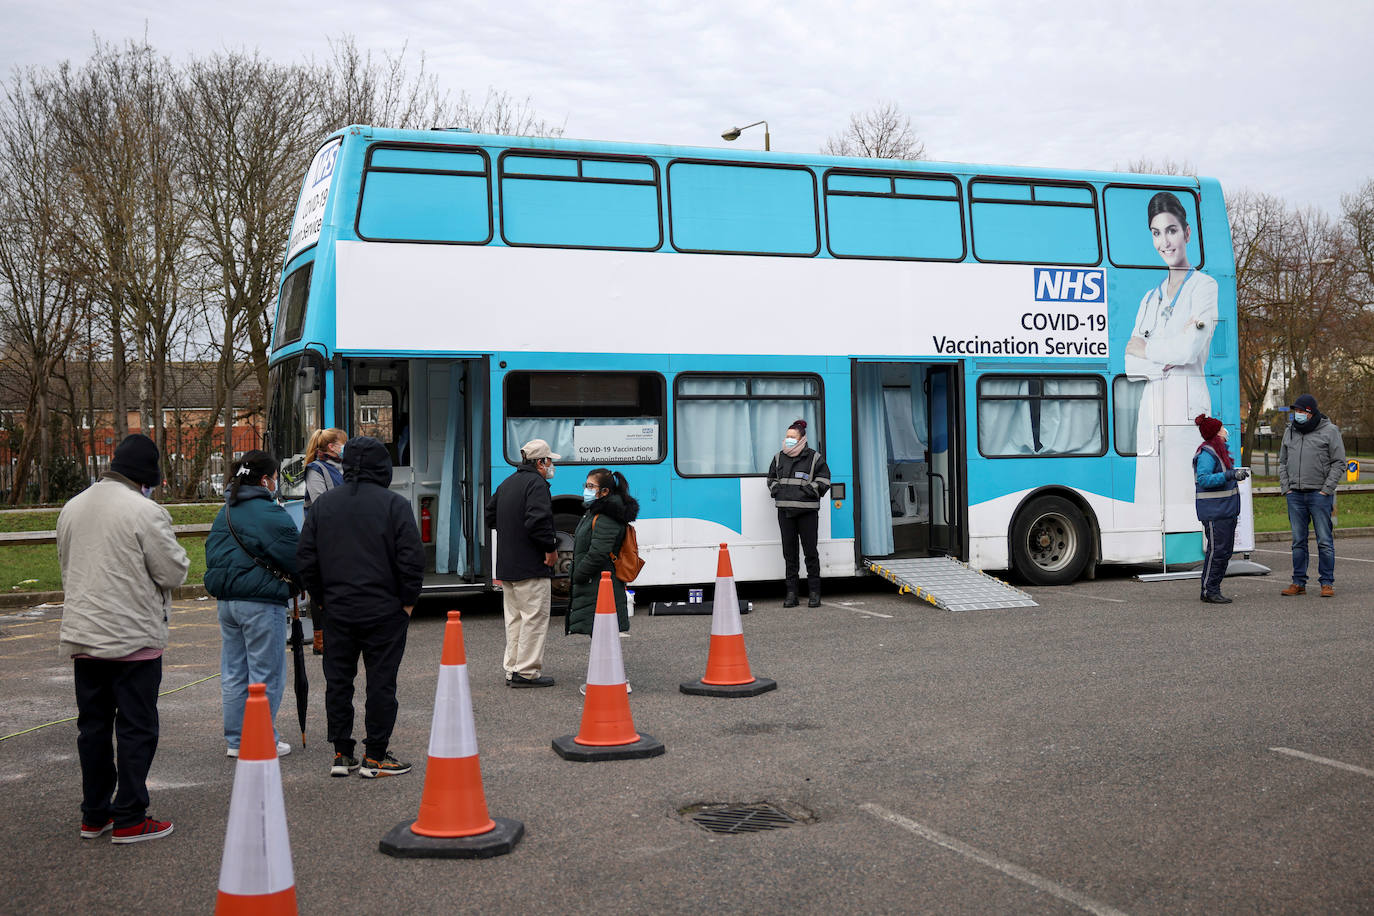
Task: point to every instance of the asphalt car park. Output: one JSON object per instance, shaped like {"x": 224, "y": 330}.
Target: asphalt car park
{"x": 1121, "y": 747}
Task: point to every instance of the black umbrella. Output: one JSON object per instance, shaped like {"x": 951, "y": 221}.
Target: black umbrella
{"x": 298, "y": 660}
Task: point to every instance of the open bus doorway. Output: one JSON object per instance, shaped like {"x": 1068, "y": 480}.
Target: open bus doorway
{"x": 907, "y": 454}
{"x": 430, "y": 414}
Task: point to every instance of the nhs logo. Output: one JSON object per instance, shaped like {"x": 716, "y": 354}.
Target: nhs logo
{"x": 1054, "y": 284}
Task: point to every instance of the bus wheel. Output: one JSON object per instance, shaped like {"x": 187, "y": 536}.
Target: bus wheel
{"x": 564, "y": 523}
{"x": 1050, "y": 544}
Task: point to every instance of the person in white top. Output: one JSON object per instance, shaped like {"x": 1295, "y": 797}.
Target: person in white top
{"x": 1173, "y": 329}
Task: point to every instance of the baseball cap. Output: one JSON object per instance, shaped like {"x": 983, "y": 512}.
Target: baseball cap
{"x": 536, "y": 449}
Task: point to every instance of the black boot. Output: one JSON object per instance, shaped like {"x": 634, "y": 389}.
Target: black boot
{"x": 815, "y": 598}
{"x": 791, "y": 599}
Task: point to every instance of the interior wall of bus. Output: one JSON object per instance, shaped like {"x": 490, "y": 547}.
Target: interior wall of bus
{"x": 908, "y": 459}
{"x": 431, "y": 415}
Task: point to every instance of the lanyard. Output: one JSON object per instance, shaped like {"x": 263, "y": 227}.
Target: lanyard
{"x": 1168, "y": 312}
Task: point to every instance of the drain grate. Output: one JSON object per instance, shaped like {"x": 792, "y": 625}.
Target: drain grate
{"x": 743, "y": 819}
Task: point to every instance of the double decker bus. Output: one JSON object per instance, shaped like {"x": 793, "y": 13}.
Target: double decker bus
{"x": 1000, "y": 364}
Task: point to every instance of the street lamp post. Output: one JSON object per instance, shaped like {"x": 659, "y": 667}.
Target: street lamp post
{"x": 733, "y": 133}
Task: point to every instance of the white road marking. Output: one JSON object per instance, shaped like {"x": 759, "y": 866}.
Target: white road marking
{"x": 1068, "y": 895}
{"x": 871, "y": 613}
{"x": 1290, "y": 553}
{"x": 1327, "y": 761}
{"x": 1099, "y": 597}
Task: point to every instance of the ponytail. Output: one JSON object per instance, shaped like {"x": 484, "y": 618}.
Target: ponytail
{"x": 249, "y": 469}
{"x": 611, "y": 480}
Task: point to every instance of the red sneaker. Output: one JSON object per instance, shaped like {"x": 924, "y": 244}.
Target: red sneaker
{"x": 148, "y": 830}
{"x": 90, "y": 833}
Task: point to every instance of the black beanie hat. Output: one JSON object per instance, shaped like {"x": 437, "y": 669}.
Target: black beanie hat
{"x": 137, "y": 459}
{"x": 1305, "y": 402}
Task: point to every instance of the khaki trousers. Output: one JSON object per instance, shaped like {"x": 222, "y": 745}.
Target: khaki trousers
{"x": 527, "y": 604}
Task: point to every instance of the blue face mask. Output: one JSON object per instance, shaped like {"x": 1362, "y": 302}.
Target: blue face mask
{"x": 588, "y": 495}
{"x": 146, "y": 491}
{"x": 789, "y": 442}
{"x": 1299, "y": 417}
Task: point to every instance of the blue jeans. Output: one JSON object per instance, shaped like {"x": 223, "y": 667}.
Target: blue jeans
{"x": 253, "y": 651}
{"x": 1311, "y": 504}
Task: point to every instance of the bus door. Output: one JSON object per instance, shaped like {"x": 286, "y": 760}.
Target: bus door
{"x": 431, "y": 416}
{"x": 907, "y": 458}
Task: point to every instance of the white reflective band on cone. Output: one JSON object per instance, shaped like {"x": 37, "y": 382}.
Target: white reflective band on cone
{"x": 451, "y": 731}
{"x": 725, "y": 613}
{"x": 257, "y": 851}
{"x": 606, "y": 666}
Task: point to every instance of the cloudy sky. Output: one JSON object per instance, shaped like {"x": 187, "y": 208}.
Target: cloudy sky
{"x": 1267, "y": 96}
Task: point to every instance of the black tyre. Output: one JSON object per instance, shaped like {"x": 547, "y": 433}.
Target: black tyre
{"x": 1050, "y": 541}
{"x": 566, "y": 524}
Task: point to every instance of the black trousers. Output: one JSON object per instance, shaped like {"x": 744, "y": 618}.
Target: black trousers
{"x": 801, "y": 526}
{"x": 1221, "y": 541}
{"x": 116, "y": 700}
{"x": 380, "y": 644}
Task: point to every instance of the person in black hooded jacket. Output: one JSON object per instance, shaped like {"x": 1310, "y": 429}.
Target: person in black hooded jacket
{"x": 360, "y": 555}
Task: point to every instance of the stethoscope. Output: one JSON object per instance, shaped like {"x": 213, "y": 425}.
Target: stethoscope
{"x": 1157, "y": 299}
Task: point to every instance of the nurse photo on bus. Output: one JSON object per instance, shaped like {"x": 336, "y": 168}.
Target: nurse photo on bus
{"x": 1173, "y": 328}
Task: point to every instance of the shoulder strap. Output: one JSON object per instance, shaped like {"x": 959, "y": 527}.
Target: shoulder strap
{"x": 257, "y": 560}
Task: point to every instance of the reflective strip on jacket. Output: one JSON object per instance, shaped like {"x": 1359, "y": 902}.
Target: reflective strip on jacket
{"x": 1217, "y": 494}
{"x": 800, "y": 482}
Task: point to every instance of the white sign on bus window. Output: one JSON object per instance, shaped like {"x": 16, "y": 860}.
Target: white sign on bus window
{"x": 615, "y": 444}
{"x": 305, "y": 229}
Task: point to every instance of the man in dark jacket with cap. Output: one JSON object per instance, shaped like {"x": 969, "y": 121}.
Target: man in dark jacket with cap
{"x": 526, "y": 550}
{"x": 1311, "y": 462}
{"x": 360, "y": 555}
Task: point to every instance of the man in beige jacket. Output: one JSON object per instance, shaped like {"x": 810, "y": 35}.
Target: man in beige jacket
{"x": 120, "y": 561}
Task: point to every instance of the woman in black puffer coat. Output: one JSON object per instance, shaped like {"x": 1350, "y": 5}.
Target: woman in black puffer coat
{"x": 610, "y": 508}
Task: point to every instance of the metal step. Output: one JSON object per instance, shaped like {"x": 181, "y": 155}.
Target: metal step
{"x": 947, "y": 583}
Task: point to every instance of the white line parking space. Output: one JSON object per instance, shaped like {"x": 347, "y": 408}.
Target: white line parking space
{"x": 1011, "y": 869}
{"x": 852, "y": 606}
{"x": 1324, "y": 761}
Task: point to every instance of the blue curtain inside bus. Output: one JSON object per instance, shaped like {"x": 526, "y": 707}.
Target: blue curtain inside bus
{"x": 875, "y": 509}
{"x": 740, "y": 432}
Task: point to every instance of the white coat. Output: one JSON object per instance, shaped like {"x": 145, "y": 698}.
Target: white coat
{"x": 1177, "y": 340}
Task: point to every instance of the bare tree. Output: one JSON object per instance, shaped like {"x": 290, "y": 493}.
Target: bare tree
{"x": 355, "y": 88}
{"x": 500, "y": 113}
{"x": 40, "y": 300}
{"x": 883, "y": 132}
{"x": 1165, "y": 166}
{"x": 112, "y": 119}
{"x": 245, "y": 152}
{"x": 1257, "y": 222}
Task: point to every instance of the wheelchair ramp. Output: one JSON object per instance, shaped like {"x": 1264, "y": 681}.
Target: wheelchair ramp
{"x": 947, "y": 583}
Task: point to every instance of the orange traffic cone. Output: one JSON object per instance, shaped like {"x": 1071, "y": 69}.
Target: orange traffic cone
{"x": 608, "y": 731}
{"x": 255, "y": 876}
{"x": 727, "y": 664}
{"x": 453, "y": 821}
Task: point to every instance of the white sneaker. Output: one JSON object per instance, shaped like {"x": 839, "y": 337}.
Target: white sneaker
{"x": 232, "y": 752}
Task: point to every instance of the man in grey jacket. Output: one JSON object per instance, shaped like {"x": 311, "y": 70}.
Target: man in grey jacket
{"x": 120, "y": 561}
{"x": 1311, "y": 462}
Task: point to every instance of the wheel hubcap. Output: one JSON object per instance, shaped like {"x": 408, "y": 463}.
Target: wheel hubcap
{"x": 1053, "y": 542}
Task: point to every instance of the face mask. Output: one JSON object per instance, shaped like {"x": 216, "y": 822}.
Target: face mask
{"x": 548, "y": 474}
{"x": 789, "y": 442}
{"x": 588, "y": 495}
{"x": 146, "y": 491}
{"x": 1299, "y": 417}
{"x": 1224, "y": 434}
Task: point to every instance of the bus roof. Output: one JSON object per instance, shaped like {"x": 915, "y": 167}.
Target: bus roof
{"x": 463, "y": 137}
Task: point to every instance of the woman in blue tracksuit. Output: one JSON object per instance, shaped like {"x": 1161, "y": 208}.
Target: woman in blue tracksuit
{"x": 1218, "y": 503}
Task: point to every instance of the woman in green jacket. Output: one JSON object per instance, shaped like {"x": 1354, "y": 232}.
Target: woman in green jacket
{"x": 252, "y": 600}
{"x": 610, "y": 508}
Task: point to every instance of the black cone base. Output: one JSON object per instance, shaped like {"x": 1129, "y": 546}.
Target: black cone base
{"x": 568, "y": 748}
{"x": 755, "y": 687}
{"x": 501, "y": 839}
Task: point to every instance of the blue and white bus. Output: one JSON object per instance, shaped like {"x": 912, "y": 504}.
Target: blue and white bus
{"x": 1000, "y": 364}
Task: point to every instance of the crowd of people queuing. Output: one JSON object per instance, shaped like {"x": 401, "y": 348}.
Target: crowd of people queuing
{"x": 359, "y": 559}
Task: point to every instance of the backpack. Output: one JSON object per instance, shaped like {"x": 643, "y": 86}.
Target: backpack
{"x": 626, "y": 562}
